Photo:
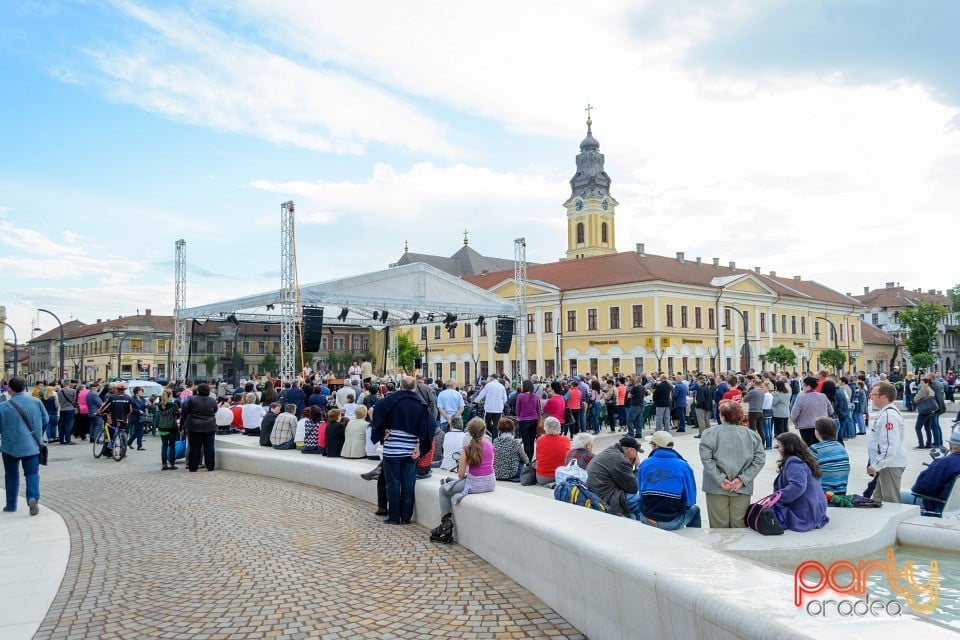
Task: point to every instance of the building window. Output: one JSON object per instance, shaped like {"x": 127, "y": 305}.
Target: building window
{"x": 276, "y": 348}
{"x": 580, "y": 233}
{"x": 853, "y": 333}
{"x": 591, "y": 319}
{"x": 803, "y": 325}
{"x": 842, "y": 339}
{"x": 726, "y": 320}
{"x": 438, "y": 371}
{"x": 711, "y": 318}
{"x": 548, "y": 322}
{"x": 603, "y": 233}
{"x": 614, "y": 318}
{"x": 773, "y": 322}
{"x": 261, "y": 348}
{"x": 136, "y": 345}
{"x": 436, "y": 332}
{"x": 763, "y": 322}
{"x": 637, "y": 365}
{"x": 339, "y": 343}
{"x": 816, "y": 329}
{"x": 246, "y": 347}
{"x": 530, "y": 328}
{"x": 453, "y": 370}
{"x": 594, "y": 366}
{"x": 423, "y": 333}
{"x": 875, "y": 319}
{"x": 483, "y": 330}
{"x": 698, "y": 317}
{"x": 452, "y": 331}
{"x": 484, "y": 369}
{"x": 228, "y": 348}
{"x": 467, "y": 330}
{"x": 571, "y": 320}
{"x": 615, "y": 365}
{"x": 161, "y": 346}
{"x": 684, "y": 320}
{"x": 466, "y": 372}
{"x": 637, "y": 315}
{"x": 573, "y": 366}
{"x": 669, "y": 315}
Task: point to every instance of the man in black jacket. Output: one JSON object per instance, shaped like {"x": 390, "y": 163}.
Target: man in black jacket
{"x": 704, "y": 403}
{"x": 662, "y": 398}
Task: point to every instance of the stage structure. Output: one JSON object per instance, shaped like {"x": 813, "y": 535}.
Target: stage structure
{"x": 397, "y": 297}
{"x": 179, "y": 322}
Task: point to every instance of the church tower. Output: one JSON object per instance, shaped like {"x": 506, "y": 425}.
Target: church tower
{"x": 590, "y": 208}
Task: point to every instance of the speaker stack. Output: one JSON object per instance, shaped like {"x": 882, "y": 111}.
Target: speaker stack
{"x": 504, "y": 335}
{"x": 312, "y": 328}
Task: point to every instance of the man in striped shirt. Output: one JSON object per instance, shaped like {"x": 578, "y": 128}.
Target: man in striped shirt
{"x": 402, "y": 422}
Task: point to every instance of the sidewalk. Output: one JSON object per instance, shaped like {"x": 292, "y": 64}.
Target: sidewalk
{"x": 33, "y": 559}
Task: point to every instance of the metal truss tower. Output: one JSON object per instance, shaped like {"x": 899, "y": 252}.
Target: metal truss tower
{"x": 180, "y": 302}
{"x": 520, "y": 298}
{"x": 288, "y": 293}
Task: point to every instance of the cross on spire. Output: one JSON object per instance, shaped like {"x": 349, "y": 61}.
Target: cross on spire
{"x": 589, "y": 109}
{"x": 465, "y": 241}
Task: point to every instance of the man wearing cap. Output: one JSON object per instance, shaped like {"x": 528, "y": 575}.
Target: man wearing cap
{"x": 611, "y": 476}
{"x": 937, "y": 480}
{"x": 668, "y": 491}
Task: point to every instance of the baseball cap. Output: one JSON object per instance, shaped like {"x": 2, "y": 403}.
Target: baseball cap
{"x": 662, "y": 439}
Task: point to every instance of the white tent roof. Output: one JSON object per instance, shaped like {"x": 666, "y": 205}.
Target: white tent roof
{"x": 400, "y": 291}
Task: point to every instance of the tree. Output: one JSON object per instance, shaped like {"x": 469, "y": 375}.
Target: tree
{"x": 782, "y": 356}
{"x": 407, "y": 352}
{"x": 955, "y": 296}
{"x": 921, "y": 322}
{"x": 921, "y": 360}
{"x": 833, "y": 358}
{"x": 210, "y": 364}
{"x": 269, "y": 364}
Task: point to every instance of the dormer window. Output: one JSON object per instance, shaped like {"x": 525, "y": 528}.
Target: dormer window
{"x": 579, "y": 205}
{"x": 603, "y": 205}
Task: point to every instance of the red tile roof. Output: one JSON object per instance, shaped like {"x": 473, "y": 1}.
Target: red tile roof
{"x": 892, "y": 297}
{"x": 629, "y": 267}
{"x": 871, "y": 335}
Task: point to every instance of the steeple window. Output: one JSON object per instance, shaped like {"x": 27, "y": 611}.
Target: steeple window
{"x": 580, "y": 239}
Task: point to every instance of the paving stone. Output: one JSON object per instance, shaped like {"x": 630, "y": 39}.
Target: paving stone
{"x": 226, "y": 556}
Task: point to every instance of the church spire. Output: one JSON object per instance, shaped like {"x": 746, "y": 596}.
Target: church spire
{"x": 590, "y": 207}
{"x": 590, "y": 181}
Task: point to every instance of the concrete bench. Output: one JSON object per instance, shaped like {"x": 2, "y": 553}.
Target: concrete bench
{"x": 610, "y": 577}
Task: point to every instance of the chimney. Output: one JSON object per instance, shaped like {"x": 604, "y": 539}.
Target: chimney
{"x": 796, "y": 278}
{"x": 733, "y": 265}
{"x": 680, "y": 257}
{"x": 640, "y": 250}
{"x": 698, "y": 261}
{"x": 148, "y": 311}
{"x": 939, "y": 293}
{"x": 756, "y": 269}
{"x": 890, "y": 285}
{"x": 773, "y": 274}
{"x": 866, "y": 290}
{"x": 848, "y": 294}
{"x": 932, "y": 291}
{"x": 716, "y": 263}
{"x": 919, "y": 290}
{"x": 98, "y": 320}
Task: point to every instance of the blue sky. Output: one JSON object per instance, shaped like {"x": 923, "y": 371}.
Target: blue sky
{"x": 812, "y": 138}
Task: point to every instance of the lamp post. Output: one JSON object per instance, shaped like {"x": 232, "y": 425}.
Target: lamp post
{"x": 556, "y": 362}
{"x": 833, "y": 327}
{"x": 658, "y": 354}
{"x": 16, "y": 353}
{"x": 119, "y": 336}
{"x": 713, "y": 350}
{"x": 54, "y": 316}
{"x": 746, "y": 339}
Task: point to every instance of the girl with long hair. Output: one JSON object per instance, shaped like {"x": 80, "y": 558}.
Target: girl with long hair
{"x": 802, "y": 505}
{"x": 474, "y": 475}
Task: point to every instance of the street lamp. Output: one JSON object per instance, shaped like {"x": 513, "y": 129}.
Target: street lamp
{"x": 658, "y": 354}
{"x": 746, "y": 334}
{"x": 16, "y": 353}
{"x": 83, "y": 354}
{"x": 713, "y": 350}
{"x": 61, "y": 339}
{"x": 119, "y": 336}
{"x": 556, "y": 362}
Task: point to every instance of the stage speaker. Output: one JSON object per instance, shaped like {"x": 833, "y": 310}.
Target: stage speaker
{"x": 418, "y": 363}
{"x": 312, "y": 329}
{"x": 504, "y": 335}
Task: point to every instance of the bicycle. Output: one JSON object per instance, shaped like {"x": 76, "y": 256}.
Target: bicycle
{"x": 118, "y": 443}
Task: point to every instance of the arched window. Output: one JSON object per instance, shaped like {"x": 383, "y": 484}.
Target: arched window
{"x": 580, "y": 233}
{"x": 603, "y": 232}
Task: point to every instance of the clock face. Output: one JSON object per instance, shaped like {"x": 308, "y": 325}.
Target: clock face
{"x": 579, "y": 205}
{"x": 604, "y": 205}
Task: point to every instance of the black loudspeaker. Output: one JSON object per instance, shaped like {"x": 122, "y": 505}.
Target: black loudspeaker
{"x": 312, "y": 329}
{"x": 504, "y": 335}
{"x": 418, "y": 363}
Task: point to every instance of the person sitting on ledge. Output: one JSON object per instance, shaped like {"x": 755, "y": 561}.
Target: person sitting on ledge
{"x": 266, "y": 425}
{"x": 831, "y": 456}
{"x": 314, "y": 430}
{"x": 802, "y": 505}
{"x": 509, "y": 456}
{"x": 284, "y": 431}
{"x": 551, "y": 449}
{"x": 611, "y": 476}
{"x": 336, "y": 434}
{"x": 668, "y": 491}
{"x": 937, "y": 480}
{"x": 355, "y": 443}
{"x": 251, "y": 414}
{"x": 581, "y": 449}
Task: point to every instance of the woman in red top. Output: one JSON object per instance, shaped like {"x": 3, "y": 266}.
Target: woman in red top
{"x": 574, "y": 403}
{"x": 552, "y": 450}
{"x": 554, "y": 405}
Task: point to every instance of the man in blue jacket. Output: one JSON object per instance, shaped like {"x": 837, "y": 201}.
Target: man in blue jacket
{"x": 22, "y": 423}
{"x": 402, "y": 422}
{"x": 668, "y": 492}
{"x": 937, "y": 480}
{"x": 680, "y": 391}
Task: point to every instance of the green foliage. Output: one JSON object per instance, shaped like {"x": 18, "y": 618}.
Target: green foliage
{"x": 210, "y": 364}
{"x": 922, "y": 360}
{"x": 407, "y": 352}
{"x": 270, "y": 364}
{"x": 833, "y": 358}
{"x": 921, "y": 322}
{"x": 782, "y": 356}
{"x": 955, "y": 296}
{"x": 339, "y": 362}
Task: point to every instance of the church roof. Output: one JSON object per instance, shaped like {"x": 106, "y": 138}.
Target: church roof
{"x": 631, "y": 267}
{"x": 465, "y": 262}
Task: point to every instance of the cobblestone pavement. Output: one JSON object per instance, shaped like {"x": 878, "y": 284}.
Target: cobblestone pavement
{"x": 225, "y": 555}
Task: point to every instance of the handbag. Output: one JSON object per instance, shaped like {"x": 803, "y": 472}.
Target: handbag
{"x": 927, "y": 405}
{"x": 529, "y": 475}
{"x": 762, "y": 516}
{"x": 43, "y": 447}
{"x": 572, "y": 470}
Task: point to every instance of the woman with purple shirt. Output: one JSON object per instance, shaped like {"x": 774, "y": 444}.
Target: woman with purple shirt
{"x": 802, "y": 505}
{"x": 475, "y": 475}
{"x": 528, "y": 413}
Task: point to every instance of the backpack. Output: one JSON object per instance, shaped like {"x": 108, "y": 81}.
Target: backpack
{"x": 574, "y": 491}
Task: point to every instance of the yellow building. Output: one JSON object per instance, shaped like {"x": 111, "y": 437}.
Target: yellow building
{"x": 608, "y": 312}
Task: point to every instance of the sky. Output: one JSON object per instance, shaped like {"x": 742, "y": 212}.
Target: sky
{"x": 808, "y": 137}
